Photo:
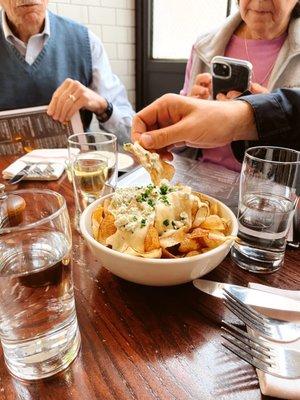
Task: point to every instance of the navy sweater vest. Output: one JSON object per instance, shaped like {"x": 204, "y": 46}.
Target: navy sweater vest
{"x": 66, "y": 54}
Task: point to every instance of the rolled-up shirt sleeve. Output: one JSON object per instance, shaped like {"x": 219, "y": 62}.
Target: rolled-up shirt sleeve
{"x": 109, "y": 86}
{"x": 277, "y": 117}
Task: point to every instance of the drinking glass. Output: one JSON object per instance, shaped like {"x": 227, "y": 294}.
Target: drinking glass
{"x": 93, "y": 164}
{"x": 38, "y": 325}
{"x": 267, "y": 202}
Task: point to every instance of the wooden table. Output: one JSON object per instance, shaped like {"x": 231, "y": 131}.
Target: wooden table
{"x": 143, "y": 342}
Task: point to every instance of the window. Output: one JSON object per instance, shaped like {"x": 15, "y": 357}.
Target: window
{"x": 165, "y": 33}
{"x": 176, "y": 24}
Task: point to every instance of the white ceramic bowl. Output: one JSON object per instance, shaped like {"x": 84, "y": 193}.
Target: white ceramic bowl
{"x": 156, "y": 272}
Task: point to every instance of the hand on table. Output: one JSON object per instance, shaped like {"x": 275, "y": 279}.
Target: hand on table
{"x": 70, "y": 97}
{"x": 203, "y": 87}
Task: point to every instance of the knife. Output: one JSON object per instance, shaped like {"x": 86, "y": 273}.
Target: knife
{"x": 286, "y": 308}
{"x": 20, "y": 175}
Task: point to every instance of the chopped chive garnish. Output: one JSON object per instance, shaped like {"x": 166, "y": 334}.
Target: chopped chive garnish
{"x": 166, "y": 222}
{"x": 164, "y": 189}
{"x": 143, "y": 223}
{"x": 151, "y": 203}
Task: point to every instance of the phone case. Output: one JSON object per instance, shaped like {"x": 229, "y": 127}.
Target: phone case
{"x": 239, "y": 79}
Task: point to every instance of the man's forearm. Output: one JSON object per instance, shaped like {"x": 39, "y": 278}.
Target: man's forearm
{"x": 244, "y": 127}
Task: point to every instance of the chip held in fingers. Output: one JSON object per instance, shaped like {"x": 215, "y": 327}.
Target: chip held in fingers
{"x": 154, "y": 165}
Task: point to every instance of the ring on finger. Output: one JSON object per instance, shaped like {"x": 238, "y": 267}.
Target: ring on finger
{"x": 72, "y": 97}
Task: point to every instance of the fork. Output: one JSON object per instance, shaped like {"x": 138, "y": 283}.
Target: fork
{"x": 272, "y": 359}
{"x": 29, "y": 168}
{"x": 267, "y": 327}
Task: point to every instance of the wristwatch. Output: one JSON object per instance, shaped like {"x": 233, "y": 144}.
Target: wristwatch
{"x": 107, "y": 113}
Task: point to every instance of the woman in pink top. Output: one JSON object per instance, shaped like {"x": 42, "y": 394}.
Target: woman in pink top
{"x": 264, "y": 32}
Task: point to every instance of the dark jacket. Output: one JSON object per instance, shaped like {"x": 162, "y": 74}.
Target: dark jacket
{"x": 277, "y": 117}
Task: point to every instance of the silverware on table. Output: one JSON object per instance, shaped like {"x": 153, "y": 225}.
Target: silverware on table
{"x": 29, "y": 168}
{"x": 261, "y": 353}
{"x": 266, "y": 327}
{"x": 288, "y": 309}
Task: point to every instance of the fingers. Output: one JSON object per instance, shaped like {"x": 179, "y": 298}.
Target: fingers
{"x": 202, "y": 86}
{"x": 55, "y": 104}
{"x": 164, "y": 137}
{"x": 233, "y": 94}
{"x": 256, "y": 88}
{"x": 204, "y": 79}
{"x": 221, "y": 97}
{"x": 200, "y": 92}
{"x": 72, "y": 104}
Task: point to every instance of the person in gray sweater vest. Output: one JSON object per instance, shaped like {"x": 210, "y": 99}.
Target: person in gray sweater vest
{"x": 48, "y": 59}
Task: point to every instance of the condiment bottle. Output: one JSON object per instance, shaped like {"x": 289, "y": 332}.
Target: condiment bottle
{"x": 11, "y": 208}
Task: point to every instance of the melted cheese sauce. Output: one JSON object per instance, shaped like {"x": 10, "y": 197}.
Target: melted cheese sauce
{"x": 168, "y": 208}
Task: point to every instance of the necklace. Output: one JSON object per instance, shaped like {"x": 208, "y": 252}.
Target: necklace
{"x": 269, "y": 70}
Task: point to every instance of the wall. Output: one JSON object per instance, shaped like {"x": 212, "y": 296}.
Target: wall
{"x": 113, "y": 21}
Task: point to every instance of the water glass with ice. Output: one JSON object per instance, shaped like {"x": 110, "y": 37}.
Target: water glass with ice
{"x": 38, "y": 325}
{"x": 267, "y": 201}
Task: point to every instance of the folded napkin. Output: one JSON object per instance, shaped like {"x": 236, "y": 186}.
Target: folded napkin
{"x": 271, "y": 385}
{"x": 45, "y": 158}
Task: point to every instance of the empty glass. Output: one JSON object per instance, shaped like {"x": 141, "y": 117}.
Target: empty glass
{"x": 93, "y": 164}
{"x": 38, "y": 324}
{"x": 267, "y": 202}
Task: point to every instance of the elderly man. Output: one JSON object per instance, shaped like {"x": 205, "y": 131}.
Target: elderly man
{"x": 47, "y": 59}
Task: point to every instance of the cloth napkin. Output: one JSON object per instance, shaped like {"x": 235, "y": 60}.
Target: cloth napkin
{"x": 271, "y": 385}
{"x": 43, "y": 157}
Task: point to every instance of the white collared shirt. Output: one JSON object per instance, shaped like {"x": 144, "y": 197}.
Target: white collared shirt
{"x": 104, "y": 82}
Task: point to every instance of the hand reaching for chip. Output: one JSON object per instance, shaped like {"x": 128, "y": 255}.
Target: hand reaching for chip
{"x": 151, "y": 161}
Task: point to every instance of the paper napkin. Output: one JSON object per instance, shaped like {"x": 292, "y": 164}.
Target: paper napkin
{"x": 43, "y": 157}
{"x": 271, "y": 385}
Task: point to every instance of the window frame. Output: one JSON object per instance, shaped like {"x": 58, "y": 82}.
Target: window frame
{"x": 167, "y": 71}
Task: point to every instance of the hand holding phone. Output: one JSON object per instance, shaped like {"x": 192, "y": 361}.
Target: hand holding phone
{"x": 230, "y": 74}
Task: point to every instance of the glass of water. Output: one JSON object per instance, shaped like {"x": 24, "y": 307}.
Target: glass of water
{"x": 93, "y": 164}
{"x": 38, "y": 325}
{"x": 267, "y": 202}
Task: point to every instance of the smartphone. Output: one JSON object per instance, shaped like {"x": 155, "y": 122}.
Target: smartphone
{"x": 230, "y": 74}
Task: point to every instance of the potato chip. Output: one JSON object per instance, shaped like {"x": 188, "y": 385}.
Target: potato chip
{"x": 188, "y": 245}
{"x": 107, "y": 228}
{"x": 97, "y": 218}
{"x": 214, "y": 239}
{"x": 153, "y": 164}
{"x": 172, "y": 238}
{"x": 166, "y": 253}
{"x": 198, "y": 233}
{"x": 214, "y": 209}
{"x": 192, "y": 253}
{"x": 213, "y": 222}
{"x": 152, "y": 240}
